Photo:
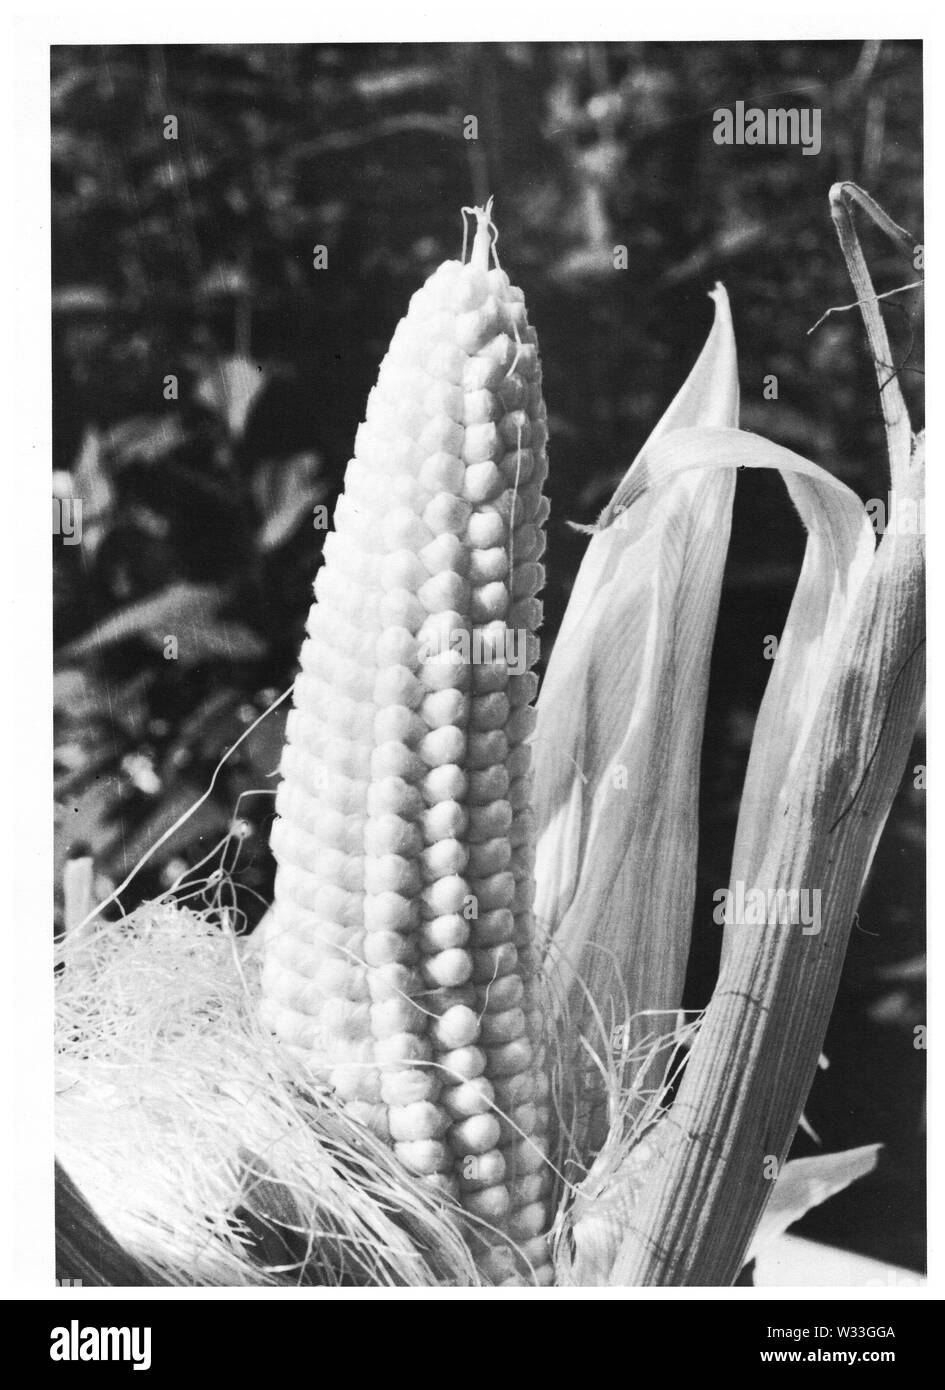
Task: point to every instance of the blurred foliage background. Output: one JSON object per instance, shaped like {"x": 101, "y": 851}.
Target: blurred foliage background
{"x": 208, "y": 381}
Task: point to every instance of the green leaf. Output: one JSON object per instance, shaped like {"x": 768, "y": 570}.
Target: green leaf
{"x": 285, "y": 492}
{"x": 188, "y": 613}
{"x": 229, "y": 389}
{"x": 82, "y": 299}
{"x": 145, "y": 439}
{"x": 199, "y": 832}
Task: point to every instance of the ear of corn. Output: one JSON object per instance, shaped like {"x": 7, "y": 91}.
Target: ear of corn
{"x": 401, "y": 956}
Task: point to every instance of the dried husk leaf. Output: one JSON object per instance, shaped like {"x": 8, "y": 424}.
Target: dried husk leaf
{"x": 620, "y": 722}
{"x": 756, "y": 1053}
{"x": 805, "y": 1183}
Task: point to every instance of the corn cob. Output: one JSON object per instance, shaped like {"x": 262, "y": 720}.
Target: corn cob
{"x": 401, "y": 957}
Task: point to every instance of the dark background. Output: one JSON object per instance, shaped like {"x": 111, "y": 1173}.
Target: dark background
{"x": 194, "y": 257}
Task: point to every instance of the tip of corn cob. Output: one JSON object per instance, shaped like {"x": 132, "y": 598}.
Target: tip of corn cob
{"x": 485, "y": 237}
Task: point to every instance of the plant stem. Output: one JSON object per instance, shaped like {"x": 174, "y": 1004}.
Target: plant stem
{"x": 843, "y": 196}
{"x": 755, "y": 1055}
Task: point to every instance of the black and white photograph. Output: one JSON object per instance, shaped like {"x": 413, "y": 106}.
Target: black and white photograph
{"x": 487, "y": 669}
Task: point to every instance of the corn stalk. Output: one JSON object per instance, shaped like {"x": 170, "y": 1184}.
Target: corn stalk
{"x": 755, "y": 1057}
